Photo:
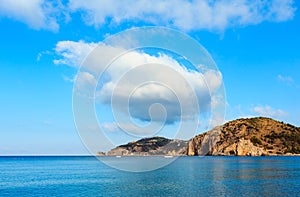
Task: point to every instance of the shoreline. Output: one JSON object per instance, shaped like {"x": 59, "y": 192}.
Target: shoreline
{"x": 165, "y": 156}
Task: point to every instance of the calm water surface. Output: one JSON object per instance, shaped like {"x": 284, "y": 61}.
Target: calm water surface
{"x": 187, "y": 176}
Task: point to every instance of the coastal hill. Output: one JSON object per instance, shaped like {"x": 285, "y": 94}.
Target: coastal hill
{"x": 151, "y": 146}
{"x": 242, "y": 137}
{"x": 248, "y": 137}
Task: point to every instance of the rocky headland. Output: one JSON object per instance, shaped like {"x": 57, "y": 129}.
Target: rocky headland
{"x": 242, "y": 137}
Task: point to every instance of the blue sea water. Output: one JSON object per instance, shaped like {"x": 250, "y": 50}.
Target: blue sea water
{"x": 187, "y": 176}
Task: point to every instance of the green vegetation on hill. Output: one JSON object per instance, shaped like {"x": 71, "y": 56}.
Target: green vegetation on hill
{"x": 242, "y": 137}
{"x": 146, "y": 144}
{"x": 252, "y": 136}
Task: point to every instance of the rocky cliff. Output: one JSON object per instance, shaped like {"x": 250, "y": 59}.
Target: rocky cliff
{"x": 242, "y": 137}
{"x": 248, "y": 137}
{"x": 151, "y": 146}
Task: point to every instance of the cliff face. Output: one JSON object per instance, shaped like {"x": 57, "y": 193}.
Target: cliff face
{"x": 151, "y": 146}
{"x": 248, "y": 137}
{"x": 204, "y": 144}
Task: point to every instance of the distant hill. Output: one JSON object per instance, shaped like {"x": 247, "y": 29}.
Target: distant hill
{"x": 151, "y": 146}
{"x": 242, "y": 137}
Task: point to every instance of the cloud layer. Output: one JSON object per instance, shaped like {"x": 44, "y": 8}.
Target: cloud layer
{"x": 140, "y": 83}
{"x": 185, "y": 15}
{"x": 181, "y": 14}
{"x": 37, "y": 14}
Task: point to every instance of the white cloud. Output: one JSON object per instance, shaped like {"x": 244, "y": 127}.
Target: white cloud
{"x": 285, "y": 79}
{"x": 268, "y": 111}
{"x": 37, "y": 14}
{"x": 185, "y": 15}
{"x": 68, "y": 79}
{"x": 146, "y": 80}
{"x": 181, "y": 14}
{"x": 110, "y": 126}
{"x": 72, "y": 53}
{"x": 85, "y": 79}
{"x": 157, "y": 84}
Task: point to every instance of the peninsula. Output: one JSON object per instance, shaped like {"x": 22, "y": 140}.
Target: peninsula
{"x": 258, "y": 136}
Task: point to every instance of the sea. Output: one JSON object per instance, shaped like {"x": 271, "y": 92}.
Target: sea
{"x": 186, "y": 176}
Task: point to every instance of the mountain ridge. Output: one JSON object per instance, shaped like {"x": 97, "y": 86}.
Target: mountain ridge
{"x": 258, "y": 136}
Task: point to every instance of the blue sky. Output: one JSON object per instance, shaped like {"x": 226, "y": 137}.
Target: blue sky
{"x": 254, "y": 44}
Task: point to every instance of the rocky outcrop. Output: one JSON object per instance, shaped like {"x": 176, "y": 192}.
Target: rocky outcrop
{"x": 248, "y": 137}
{"x": 205, "y": 143}
{"x": 245, "y": 148}
{"x": 151, "y": 146}
{"x": 242, "y": 137}
{"x": 101, "y": 153}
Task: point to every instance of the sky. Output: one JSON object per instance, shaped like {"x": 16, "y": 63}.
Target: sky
{"x": 254, "y": 44}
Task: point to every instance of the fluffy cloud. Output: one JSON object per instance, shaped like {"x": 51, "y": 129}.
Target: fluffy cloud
{"x": 149, "y": 87}
{"x": 185, "y": 15}
{"x": 268, "y": 111}
{"x": 156, "y": 83}
{"x": 37, "y": 14}
{"x": 72, "y": 53}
